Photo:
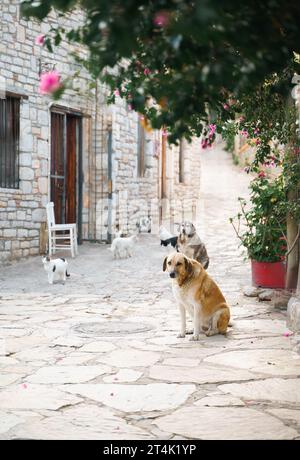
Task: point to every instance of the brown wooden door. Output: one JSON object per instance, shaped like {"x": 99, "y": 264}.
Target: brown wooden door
{"x": 66, "y": 175}
{"x": 57, "y": 177}
{"x": 71, "y": 171}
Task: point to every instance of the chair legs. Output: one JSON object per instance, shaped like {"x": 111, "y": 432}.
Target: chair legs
{"x": 72, "y": 243}
{"x": 72, "y": 237}
{"x": 75, "y": 240}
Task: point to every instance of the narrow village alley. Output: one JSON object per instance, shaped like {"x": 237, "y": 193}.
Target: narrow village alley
{"x": 99, "y": 357}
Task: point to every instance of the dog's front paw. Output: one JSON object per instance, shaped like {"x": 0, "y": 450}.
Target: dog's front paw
{"x": 194, "y": 338}
{"x": 210, "y": 332}
{"x": 180, "y": 336}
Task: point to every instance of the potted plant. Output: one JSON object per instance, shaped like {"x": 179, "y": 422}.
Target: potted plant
{"x": 261, "y": 227}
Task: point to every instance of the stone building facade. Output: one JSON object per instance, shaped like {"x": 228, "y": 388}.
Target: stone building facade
{"x": 96, "y": 162}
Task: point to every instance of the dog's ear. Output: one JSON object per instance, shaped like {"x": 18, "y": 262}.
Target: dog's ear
{"x": 188, "y": 266}
{"x": 165, "y": 264}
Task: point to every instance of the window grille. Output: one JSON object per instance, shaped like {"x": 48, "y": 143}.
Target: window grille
{"x": 9, "y": 142}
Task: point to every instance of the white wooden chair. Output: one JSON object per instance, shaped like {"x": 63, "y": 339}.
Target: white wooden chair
{"x": 56, "y": 240}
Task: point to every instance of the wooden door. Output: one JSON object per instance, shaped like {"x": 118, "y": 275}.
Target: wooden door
{"x": 57, "y": 169}
{"x": 71, "y": 171}
{"x": 66, "y": 173}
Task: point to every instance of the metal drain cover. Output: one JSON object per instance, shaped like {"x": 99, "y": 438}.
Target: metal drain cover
{"x": 111, "y": 328}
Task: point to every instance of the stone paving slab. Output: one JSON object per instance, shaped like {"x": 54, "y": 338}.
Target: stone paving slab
{"x": 135, "y": 398}
{"x": 224, "y": 424}
{"x": 88, "y": 422}
{"x": 278, "y": 390}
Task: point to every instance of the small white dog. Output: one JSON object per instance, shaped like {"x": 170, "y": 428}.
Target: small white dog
{"x": 56, "y": 268}
{"x": 123, "y": 247}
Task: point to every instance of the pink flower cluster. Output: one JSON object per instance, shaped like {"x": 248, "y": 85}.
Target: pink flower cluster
{"x": 244, "y": 133}
{"x": 212, "y": 129}
{"x": 49, "y": 82}
{"x": 40, "y": 40}
{"x": 208, "y": 141}
{"x": 205, "y": 143}
{"x": 147, "y": 71}
{"x": 161, "y": 18}
{"x": 270, "y": 163}
{"x": 261, "y": 175}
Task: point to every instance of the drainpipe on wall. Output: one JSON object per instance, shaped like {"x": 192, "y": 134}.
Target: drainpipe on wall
{"x": 109, "y": 180}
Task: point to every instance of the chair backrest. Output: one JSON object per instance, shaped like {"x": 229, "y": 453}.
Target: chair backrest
{"x": 50, "y": 214}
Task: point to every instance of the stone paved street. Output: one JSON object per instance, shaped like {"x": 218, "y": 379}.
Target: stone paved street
{"x": 98, "y": 358}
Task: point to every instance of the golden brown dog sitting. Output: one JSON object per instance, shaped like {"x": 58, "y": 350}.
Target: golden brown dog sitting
{"x": 198, "y": 294}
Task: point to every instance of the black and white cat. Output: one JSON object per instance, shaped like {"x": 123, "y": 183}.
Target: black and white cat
{"x": 56, "y": 269}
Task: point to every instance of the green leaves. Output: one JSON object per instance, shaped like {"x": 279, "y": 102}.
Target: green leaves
{"x": 203, "y": 51}
{"x": 264, "y": 221}
{"x": 39, "y": 10}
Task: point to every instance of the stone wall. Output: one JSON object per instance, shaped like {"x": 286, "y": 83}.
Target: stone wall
{"x": 22, "y": 211}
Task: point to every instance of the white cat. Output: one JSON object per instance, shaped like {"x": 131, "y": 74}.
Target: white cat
{"x": 123, "y": 247}
{"x": 56, "y": 268}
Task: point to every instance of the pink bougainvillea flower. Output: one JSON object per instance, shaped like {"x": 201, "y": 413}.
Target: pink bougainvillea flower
{"x": 256, "y": 131}
{"x": 212, "y": 128}
{"x": 40, "y": 40}
{"x": 225, "y": 106}
{"x": 49, "y": 82}
{"x": 296, "y": 150}
{"x": 204, "y": 143}
{"x": 261, "y": 175}
{"x": 147, "y": 71}
{"x": 269, "y": 164}
{"x": 161, "y": 18}
{"x": 244, "y": 133}
{"x": 257, "y": 141}
{"x": 116, "y": 92}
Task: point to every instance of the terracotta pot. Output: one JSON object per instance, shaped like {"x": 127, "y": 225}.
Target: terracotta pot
{"x": 268, "y": 274}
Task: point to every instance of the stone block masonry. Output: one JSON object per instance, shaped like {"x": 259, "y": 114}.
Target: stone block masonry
{"x": 22, "y": 210}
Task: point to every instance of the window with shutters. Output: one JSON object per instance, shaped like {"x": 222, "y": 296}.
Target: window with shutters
{"x": 9, "y": 142}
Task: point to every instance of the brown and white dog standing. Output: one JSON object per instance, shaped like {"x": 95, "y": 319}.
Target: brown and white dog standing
{"x": 190, "y": 244}
{"x": 198, "y": 294}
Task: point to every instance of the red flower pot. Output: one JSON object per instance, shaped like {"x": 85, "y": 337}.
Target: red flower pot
{"x": 268, "y": 274}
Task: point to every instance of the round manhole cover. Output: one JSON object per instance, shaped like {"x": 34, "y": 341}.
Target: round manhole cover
{"x": 111, "y": 328}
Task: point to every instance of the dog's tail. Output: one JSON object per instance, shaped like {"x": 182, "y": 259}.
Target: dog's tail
{"x": 67, "y": 274}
